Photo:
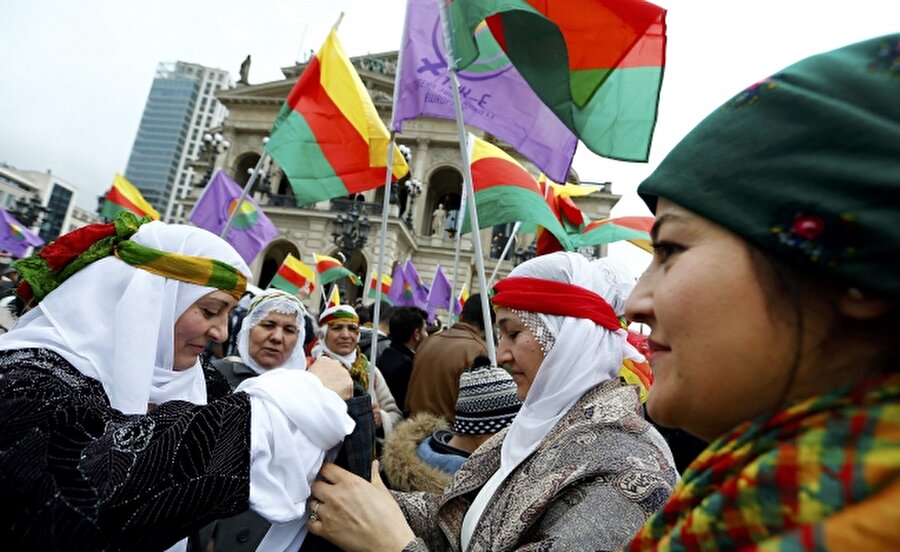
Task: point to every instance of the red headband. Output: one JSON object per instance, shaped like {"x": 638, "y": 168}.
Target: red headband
{"x": 552, "y": 297}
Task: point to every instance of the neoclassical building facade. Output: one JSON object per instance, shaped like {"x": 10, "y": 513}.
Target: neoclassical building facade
{"x": 435, "y": 162}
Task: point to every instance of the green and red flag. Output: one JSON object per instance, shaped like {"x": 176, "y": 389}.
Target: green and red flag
{"x": 635, "y": 230}
{"x": 294, "y": 277}
{"x": 559, "y": 198}
{"x": 328, "y": 138}
{"x": 505, "y": 192}
{"x": 124, "y": 196}
{"x": 331, "y": 269}
{"x": 386, "y": 282}
{"x": 598, "y": 64}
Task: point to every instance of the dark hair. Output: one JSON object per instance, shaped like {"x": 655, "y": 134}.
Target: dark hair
{"x": 405, "y": 321}
{"x": 472, "y": 313}
{"x": 791, "y": 291}
{"x": 384, "y": 315}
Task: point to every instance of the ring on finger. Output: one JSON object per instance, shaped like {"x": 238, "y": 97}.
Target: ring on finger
{"x": 314, "y": 511}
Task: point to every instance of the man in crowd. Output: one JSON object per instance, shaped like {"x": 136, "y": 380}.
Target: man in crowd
{"x": 407, "y": 331}
{"x": 439, "y": 361}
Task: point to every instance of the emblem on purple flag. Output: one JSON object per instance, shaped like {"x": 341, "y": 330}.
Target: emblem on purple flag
{"x": 15, "y": 237}
{"x": 251, "y": 231}
{"x": 495, "y": 97}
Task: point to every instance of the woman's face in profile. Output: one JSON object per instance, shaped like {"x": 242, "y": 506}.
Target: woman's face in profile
{"x": 205, "y": 321}
{"x": 518, "y": 351}
{"x": 273, "y": 340}
{"x": 720, "y": 354}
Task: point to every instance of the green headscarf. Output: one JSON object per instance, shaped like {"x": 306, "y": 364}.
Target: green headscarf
{"x": 805, "y": 165}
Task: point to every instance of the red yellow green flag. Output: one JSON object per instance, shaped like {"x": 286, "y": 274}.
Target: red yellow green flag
{"x": 635, "y": 230}
{"x": 597, "y": 64}
{"x": 386, "y": 282}
{"x": 328, "y": 138}
{"x": 124, "y": 196}
{"x": 462, "y": 298}
{"x": 331, "y": 269}
{"x": 505, "y": 192}
{"x": 294, "y": 277}
{"x": 335, "y": 298}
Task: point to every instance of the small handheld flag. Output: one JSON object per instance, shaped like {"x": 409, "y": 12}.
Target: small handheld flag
{"x": 294, "y": 277}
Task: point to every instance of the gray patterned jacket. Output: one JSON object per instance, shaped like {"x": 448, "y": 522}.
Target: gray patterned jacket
{"x": 601, "y": 471}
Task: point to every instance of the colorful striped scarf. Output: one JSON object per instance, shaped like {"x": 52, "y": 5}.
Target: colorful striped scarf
{"x": 359, "y": 370}
{"x": 51, "y": 266}
{"x": 781, "y": 482}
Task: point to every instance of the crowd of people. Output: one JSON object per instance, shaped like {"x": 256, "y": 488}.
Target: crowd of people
{"x": 772, "y": 303}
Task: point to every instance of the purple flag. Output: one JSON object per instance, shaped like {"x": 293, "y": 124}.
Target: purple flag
{"x": 439, "y": 296}
{"x": 495, "y": 97}
{"x": 15, "y": 237}
{"x": 251, "y": 231}
{"x": 400, "y": 293}
{"x": 418, "y": 288}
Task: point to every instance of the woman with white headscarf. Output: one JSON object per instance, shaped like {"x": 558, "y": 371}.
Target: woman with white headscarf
{"x": 113, "y": 435}
{"x": 578, "y": 469}
{"x": 271, "y": 336}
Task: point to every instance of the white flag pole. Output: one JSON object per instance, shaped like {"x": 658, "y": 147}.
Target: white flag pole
{"x": 237, "y": 207}
{"x": 467, "y": 182}
{"x": 385, "y": 208}
{"x": 509, "y": 241}
{"x": 454, "y": 279}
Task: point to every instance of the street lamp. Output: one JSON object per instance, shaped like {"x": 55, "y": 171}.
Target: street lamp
{"x": 263, "y": 183}
{"x": 413, "y": 190}
{"x": 350, "y": 232}
{"x": 212, "y": 146}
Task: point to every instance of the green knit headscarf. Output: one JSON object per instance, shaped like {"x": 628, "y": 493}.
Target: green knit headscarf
{"x": 805, "y": 165}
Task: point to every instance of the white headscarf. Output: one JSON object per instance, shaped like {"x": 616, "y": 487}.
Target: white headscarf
{"x": 115, "y": 323}
{"x": 584, "y": 354}
{"x": 273, "y": 300}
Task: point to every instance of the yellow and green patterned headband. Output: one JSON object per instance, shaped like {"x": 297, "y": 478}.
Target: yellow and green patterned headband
{"x": 51, "y": 266}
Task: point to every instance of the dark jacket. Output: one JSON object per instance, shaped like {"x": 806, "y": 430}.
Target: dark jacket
{"x": 396, "y": 366}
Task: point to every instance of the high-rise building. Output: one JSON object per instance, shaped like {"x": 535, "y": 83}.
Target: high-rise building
{"x": 181, "y": 107}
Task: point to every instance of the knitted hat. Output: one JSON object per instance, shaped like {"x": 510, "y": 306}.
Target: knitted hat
{"x": 487, "y": 401}
{"x": 804, "y": 165}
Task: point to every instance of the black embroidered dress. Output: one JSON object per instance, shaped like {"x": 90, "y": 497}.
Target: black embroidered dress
{"x": 75, "y": 474}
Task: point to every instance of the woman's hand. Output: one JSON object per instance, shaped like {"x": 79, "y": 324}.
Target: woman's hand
{"x": 333, "y": 375}
{"x": 355, "y": 514}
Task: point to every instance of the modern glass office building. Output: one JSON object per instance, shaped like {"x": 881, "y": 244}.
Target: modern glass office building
{"x": 180, "y": 108}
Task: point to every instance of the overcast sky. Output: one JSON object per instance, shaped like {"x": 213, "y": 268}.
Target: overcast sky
{"x": 75, "y": 74}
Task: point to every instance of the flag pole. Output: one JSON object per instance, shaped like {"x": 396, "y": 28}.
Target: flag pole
{"x": 457, "y": 234}
{"x": 512, "y": 236}
{"x": 467, "y": 182}
{"x": 240, "y": 201}
{"x": 385, "y": 209}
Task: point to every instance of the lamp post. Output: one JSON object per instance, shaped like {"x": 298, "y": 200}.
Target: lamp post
{"x": 212, "y": 146}
{"x": 350, "y": 232}
{"x": 263, "y": 183}
{"x": 413, "y": 190}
